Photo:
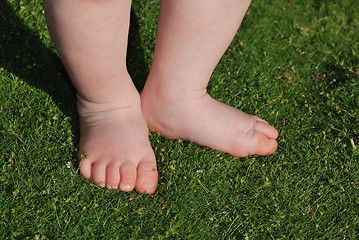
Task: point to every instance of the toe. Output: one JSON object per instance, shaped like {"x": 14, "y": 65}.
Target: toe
{"x": 99, "y": 173}
{"x": 147, "y": 177}
{"x": 112, "y": 175}
{"x": 128, "y": 176}
{"x": 261, "y": 145}
{"x": 252, "y": 143}
{"x": 266, "y": 129}
{"x": 86, "y": 167}
{"x": 272, "y": 146}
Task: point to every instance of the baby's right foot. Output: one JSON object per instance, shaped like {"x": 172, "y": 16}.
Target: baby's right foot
{"x": 114, "y": 147}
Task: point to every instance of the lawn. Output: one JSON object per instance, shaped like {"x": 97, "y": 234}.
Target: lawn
{"x": 294, "y": 63}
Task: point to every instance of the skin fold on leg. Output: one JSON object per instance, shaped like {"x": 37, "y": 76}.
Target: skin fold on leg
{"x": 192, "y": 37}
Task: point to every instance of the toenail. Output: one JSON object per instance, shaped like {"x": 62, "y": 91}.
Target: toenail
{"x": 125, "y": 187}
{"x": 149, "y": 185}
{"x": 102, "y": 185}
{"x": 112, "y": 187}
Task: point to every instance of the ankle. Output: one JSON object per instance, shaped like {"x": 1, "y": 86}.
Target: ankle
{"x": 87, "y": 107}
{"x": 157, "y": 89}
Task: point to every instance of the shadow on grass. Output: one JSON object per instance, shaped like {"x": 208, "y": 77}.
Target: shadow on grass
{"x": 23, "y": 54}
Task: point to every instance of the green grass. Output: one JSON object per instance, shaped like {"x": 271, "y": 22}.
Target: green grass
{"x": 294, "y": 63}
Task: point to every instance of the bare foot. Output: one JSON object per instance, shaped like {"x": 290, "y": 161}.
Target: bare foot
{"x": 115, "y": 148}
{"x": 199, "y": 118}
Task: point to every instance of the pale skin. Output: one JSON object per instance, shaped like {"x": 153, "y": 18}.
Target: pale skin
{"x": 91, "y": 38}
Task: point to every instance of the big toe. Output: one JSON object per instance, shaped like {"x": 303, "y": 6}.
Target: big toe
{"x": 252, "y": 143}
{"x": 266, "y": 129}
{"x": 261, "y": 144}
{"x": 147, "y": 176}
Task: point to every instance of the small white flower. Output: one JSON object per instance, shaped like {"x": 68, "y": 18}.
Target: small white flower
{"x": 68, "y": 164}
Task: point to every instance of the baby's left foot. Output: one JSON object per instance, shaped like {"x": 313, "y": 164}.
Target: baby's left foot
{"x": 203, "y": 120}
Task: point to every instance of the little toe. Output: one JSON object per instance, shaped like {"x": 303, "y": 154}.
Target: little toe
{"x": 128, "y": 176}
{"x": 112, "y": 176}
{"x": 99, "y": 173}
{"x": 147, "y": 177}
{"x": 86, "y": 167}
